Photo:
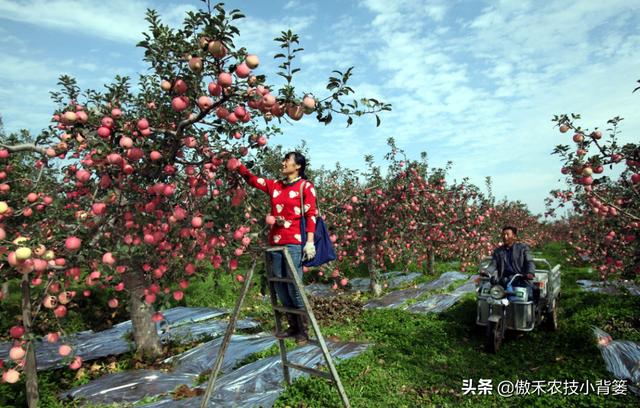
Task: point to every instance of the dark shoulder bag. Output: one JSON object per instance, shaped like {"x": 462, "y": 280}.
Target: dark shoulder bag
{"x": 324, "y": 247}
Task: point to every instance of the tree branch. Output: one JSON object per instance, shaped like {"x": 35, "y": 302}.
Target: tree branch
{"x": 25, "y": 147}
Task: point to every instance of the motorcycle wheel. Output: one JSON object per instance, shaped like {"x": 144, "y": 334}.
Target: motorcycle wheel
{"x": 551, "y": 317}
{"x": 494, "y": 336}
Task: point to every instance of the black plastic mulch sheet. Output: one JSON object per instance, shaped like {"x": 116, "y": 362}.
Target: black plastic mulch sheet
{"x": 609, "y": 287}
{"x": 181, "y": 324}
{"x": 259, "y": 384}
{"x": 134, "y": 385}
{"x": 398, "y": 298}
{"x": 621, "y": 357}
{"x": 393, "y": 280}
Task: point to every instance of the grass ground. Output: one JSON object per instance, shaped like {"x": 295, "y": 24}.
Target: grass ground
{"x": 422, "y": 360}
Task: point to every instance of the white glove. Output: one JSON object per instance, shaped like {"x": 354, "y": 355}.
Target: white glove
{"x": 309, "y": 251}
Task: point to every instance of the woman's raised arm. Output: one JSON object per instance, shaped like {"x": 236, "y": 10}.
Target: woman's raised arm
{"x": 260, "y": 183}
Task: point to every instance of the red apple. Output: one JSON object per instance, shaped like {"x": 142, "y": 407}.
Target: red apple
{"x": 180, "y": 87}
{"x": 52, "y": 337}
{"x": 108, "y": 258}
{"x": 99, "y": 208}
{"x": 295, "y": 112}
{"x": 225, "y": 79}
{"x": 195, "y": 64}
{"x": 179, "y": 103}
{"x": 11, "y": 376}
{"x": 217, "y": 49}
{"x": 64, "y": 350}
{"x": 72, "y": 243}
{"x": 76, "y": 363}
{"x": 60, "y": 311}
{"x": 16, "y": 353}
{"x": 16, "y": 332}
{"x": 243, "y": 70}
{"x": 196, "y": 222}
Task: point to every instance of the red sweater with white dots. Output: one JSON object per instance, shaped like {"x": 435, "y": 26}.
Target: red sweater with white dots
{"x": 285, "y": 202}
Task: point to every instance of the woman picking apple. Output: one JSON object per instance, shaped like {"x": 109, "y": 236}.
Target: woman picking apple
{"x": 285, "y": 220}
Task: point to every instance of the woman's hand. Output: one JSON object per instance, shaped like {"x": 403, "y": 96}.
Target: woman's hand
{"x": 309, "y": 251}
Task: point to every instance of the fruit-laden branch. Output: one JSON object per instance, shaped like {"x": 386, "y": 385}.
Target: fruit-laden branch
{"x": 165, "y": 131}
{"x": 25, "y": 147}
{"x": 620, "y": 210}
{"x": 203, "y": 112}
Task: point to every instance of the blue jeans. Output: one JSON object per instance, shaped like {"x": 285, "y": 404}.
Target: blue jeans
{"x": 287, "y": 292}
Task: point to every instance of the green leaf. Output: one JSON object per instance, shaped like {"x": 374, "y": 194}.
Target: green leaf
{"x": 328, "y": 119}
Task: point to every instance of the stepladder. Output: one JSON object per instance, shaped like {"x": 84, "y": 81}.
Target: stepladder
{"x": 279, "y": 311}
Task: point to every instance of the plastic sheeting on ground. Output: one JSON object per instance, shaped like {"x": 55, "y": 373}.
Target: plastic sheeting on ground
{"x": 393, "y": 280}
{"x": 132, "y": 386}
{"x": 261, "y": 382}
{"x": 93, "y": 345}
{"x": 442, "y": 301}
{"x": 622, "y": 358}
{"x": 609, "y": 287}
{"x": 129, "y": 386}
{"x": 202, "y": 357}
{"x": 398, "y": 298}
{"x": 209, "y": 328}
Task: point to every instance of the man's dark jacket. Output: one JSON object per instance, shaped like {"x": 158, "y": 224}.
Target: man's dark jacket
{"x": 522, "y": 260}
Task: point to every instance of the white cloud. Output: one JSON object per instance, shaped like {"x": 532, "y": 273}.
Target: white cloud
{"x": 291, "y": 4}
{"x": 481, "y": 91}
{"x": 117, "y": 20}
{"x": 257, "y": 34}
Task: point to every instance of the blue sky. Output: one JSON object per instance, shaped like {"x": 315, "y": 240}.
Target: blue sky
{"x": 471, "y": 82}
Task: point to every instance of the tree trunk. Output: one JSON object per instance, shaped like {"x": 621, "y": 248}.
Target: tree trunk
{"x": 145, "y": 336}
{"x": 374, "y": 285}
{"x": 431, "y": 264}
{"x": 30, "y": 360}
{"x": 5, "y": 290}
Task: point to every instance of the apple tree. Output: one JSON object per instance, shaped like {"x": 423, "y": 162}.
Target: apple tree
{"x": 146, "y": 198}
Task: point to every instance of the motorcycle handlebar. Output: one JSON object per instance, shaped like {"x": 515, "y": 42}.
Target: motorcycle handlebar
{"x": 515, "y": 276}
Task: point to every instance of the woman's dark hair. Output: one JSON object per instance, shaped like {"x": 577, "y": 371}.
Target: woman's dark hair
{"x": 300, "y": 161}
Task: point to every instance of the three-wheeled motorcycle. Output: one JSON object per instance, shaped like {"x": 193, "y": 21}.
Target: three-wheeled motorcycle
{"x": 511, "y": 305}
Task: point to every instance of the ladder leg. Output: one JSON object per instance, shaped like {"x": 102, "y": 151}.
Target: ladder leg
{"x": 227, "y": 337}
{"x": 278, "y": 318}
{"x": 316, "y": 329}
